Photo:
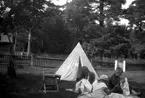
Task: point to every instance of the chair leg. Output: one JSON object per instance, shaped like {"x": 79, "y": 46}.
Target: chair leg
{"x": 44, "y": 88}
{"x": 57, "y": 85}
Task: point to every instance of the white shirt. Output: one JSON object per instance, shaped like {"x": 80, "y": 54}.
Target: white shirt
{"x": 84, "y": 85}
{"x": 98, "y": 85}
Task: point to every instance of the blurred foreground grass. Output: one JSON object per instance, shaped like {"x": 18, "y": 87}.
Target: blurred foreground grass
{"x": 29, "y": 80}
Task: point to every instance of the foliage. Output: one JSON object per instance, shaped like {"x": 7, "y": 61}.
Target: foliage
{"x": 87, "y": 21}
{"x": 86, "y": 28}
{"x": 135, "y": 14}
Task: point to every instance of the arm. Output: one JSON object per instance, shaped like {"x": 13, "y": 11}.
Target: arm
{"x": 114, "y": 84}
{"x": 117, "y": 89}
{"x": 107, "y": 91}
{"x": 77, "y": 87}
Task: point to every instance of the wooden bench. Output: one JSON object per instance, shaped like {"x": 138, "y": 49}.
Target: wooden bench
{"x": 50, "y": 82}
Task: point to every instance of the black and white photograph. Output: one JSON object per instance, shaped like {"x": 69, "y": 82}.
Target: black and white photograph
{"x": 72, "y": 48}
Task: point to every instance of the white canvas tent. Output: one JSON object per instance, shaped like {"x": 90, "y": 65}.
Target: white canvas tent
{"x": 69, "y": 70}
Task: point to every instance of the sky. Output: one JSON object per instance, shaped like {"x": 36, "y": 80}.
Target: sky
{"x": 125, "y": 21}
{"x": 125, "y": 6}
{"x": 128, "y": 2}
{"x": 62, "y": 2}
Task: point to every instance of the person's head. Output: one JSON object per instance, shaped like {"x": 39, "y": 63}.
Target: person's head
{"x": 118, "y": 71}
{"x": 121, "y": 60}
{"x": 104, "y": 78}
{"x": 85, "y": 72}
{"x": 91, "y": 77}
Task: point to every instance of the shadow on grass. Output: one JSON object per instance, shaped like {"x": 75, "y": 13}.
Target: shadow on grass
{"x": 138, "y": 87}
{"x": 28, "y": 86}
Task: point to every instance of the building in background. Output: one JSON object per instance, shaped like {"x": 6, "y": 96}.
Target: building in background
{"x": 5, "y": 43}
{"x": 21, "y": 41}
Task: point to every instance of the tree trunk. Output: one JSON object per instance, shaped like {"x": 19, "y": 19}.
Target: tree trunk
{"x": 101, "y": 20}
{"x": 11, "y": 67}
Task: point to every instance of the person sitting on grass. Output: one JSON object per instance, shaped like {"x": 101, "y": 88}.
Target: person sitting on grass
{"x": 92, "y": 92}
{"x": 83, "y": 86}
{"x": 115, "y": 83}
{"x": 100, "y": 89}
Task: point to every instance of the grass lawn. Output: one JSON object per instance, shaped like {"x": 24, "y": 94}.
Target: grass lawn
{"x": 29, "y": 81}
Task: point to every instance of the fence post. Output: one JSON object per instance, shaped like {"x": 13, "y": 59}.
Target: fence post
{"x": 32, "y": 59}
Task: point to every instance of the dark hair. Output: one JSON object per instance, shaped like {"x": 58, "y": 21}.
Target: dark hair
{"x": 91, "y": 77}
{"x": 85, "y": 72}
{"x": 119, "y": 69}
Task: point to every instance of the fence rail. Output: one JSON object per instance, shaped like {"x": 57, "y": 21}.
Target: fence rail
{"x": 23, "y": 61}
{"x": 48, "y": 62}
{"x": 18, "y": 60}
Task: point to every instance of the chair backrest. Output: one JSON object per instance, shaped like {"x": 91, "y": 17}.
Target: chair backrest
{"x": 47, "y": 75}
{"x": 50, "y": 81}
{"x": 120, "y": 64}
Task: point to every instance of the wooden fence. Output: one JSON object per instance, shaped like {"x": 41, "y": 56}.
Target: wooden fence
{"x": 49, "y": 62}
{"x": 24, "y": 61}
{"x": 46, "y": 62}
{"x": 19, "y": 61}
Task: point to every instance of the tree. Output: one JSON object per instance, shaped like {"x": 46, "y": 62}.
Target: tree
{"x": 23, "y": 14}
{"x": 135, "y": 14}
{"x": 55, "y": 36}
{"x": 81, "y": 17}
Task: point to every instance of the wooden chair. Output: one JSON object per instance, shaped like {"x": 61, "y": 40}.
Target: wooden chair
{"x": 50, "y": 82}
{"x": 120, "y": 64}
